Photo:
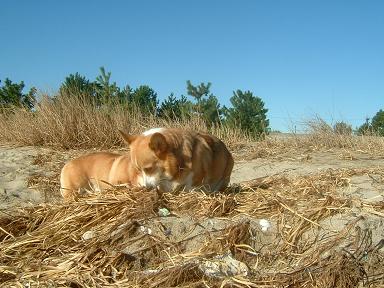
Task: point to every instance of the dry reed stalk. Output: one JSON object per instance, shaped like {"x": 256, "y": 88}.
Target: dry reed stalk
{"x": 201, "y": 203}
{"x": 70, "y": 122}
{"x": 174, "y": 276}
{"x": 101, "y": 240}
{"x": 56, "y": 230}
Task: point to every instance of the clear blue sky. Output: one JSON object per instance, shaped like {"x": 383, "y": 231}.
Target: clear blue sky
{"x": 302, "y": 57}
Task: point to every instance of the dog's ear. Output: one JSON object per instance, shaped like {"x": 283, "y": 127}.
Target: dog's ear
{"x": 128, "y": 138}
{"x": 158, "y": 144}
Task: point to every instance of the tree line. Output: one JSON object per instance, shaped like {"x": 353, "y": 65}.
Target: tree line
{"x": 248, "y": 112}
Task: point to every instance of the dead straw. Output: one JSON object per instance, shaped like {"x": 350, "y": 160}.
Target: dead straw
{"x": 116, "y": 239}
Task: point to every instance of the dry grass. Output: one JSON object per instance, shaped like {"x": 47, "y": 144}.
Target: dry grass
{"x": 322, "y": 134}
{"x": 69, "y": 122}
{"x": 105, "y": 240}
{"x": 128, "y": 245}
{"x": 319, "y": 136}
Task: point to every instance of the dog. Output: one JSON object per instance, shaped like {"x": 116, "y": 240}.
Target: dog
{"x": 96, "y": 171}
{"x": 173, "y": 159}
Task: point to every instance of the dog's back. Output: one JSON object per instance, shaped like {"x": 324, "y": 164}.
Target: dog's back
{"x": 91, "y": 171}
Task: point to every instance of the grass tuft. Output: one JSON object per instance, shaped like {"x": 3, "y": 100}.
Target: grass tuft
{"x": 70, "y": 122}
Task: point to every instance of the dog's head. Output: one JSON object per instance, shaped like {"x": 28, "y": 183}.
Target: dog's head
{"x": 152, "y": 156}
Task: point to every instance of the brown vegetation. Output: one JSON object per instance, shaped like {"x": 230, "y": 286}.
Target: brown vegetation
{"x": 117, "y": 239}
{"x": 71, "y": 122}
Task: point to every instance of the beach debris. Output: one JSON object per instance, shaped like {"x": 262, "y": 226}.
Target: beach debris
{"x": 164, "y": 212}
{"x": 88, "y": 235}
{"x": 223, "y": 266}
{"x": 38, "y": 243}
{"x": 265, "y": 225}
{"x": 146, "y": 230}
{"x": 119, "y": 229}
{"x": 167, "y": 231}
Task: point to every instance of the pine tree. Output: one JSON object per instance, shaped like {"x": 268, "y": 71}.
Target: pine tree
{"x": 107, "y": 91}
{"x": 206, "y": 104}
{"x": 373, "y": 127}
{"x": 378, "y": 123}
{"x": 11, "y": 94}
{"x": 248, "y": 114}
{"x": 144, "y": 98}
{"x": 76, "y": 85}
{"x": 174, "y": 108}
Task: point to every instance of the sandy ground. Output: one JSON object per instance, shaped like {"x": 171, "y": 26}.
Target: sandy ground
{"x": 26, "y": 173}
{"x": 15, "y": 168}
{"x": 19, "y": 164}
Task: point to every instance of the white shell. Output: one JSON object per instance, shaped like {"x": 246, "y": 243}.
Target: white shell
{"x": 88, "y": 235}
{"x": 265, "y": 224}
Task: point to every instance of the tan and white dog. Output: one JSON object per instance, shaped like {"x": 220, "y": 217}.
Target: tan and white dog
{"x": 172, "y": 159}
{"x": 90, "y": 172}
{"x": 168, "y": 159}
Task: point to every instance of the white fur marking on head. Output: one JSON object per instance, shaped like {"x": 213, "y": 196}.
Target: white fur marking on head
{"x": 153, "y": 131}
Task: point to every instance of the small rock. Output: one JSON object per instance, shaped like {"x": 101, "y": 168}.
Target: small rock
{"x": 88, "y": 235}
{"x": 146, "y": 230}
{"x": 265, "y": 225}
{"x": 224, "y": 266}
{"x": 167, "y": 231}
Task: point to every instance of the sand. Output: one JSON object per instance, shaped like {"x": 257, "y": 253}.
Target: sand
{"x": 15, "y": 169}
{"x": 26, "y": 173}
{"x": 19, "y": 164}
